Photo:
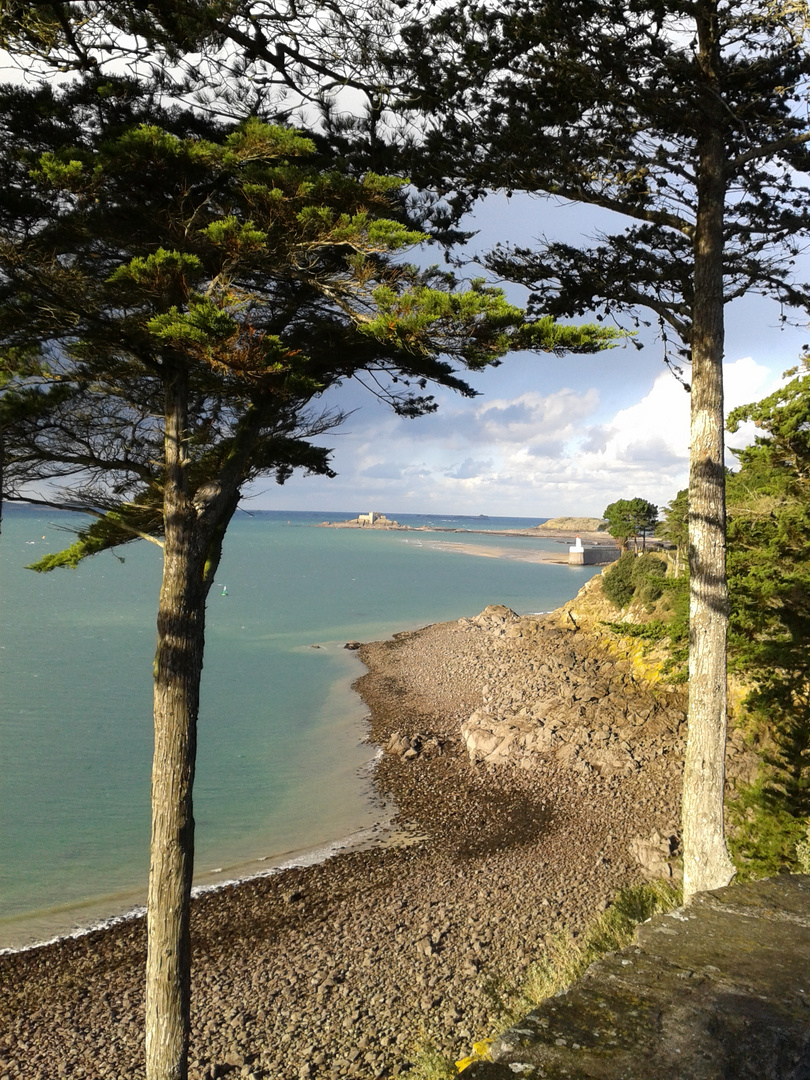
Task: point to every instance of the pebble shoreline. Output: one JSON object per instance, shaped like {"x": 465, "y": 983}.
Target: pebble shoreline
{"x": 343, "y": 968}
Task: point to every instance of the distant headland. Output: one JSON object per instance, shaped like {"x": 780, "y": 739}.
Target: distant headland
{"x": 573, "y": 524}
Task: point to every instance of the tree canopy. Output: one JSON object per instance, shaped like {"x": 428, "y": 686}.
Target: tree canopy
{"x": 174, "y": 293}
{"x": 769, "y": 576}
{"x": 631, "y": 517}
{"x": 769, "y": 530}
{"x": 239, "y": 256}
{"x": 612, "y": 105}
{"x": 687, "y": 120}
{"x": 769, "y": 637}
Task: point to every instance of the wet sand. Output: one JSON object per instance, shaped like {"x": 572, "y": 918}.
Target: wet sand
{"x": 343, "y": 968}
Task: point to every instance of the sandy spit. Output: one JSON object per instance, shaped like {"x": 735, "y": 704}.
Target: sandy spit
{"x": 342, "y": 968}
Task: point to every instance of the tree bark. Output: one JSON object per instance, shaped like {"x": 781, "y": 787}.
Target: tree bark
{"x": 178, "y": 669}
{"x": 706, "y": 860}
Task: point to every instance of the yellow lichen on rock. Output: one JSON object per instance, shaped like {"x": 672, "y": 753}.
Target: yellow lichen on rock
{"x": 480, "y": 1052}
{"x": 590, "y": 611}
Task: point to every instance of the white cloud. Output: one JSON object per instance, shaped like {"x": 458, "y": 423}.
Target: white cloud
{"x": 469, "y": 469}
{"x": 383, "y": 470}
{"x": 530, "y": 454}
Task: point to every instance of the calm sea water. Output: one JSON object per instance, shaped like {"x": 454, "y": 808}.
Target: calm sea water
{"x": 282, "y": 765}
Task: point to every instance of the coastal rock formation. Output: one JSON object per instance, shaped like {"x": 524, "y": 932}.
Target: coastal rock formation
{"x": 410, "y": 747}
{"x": 654, "y": 854}
{"x": 372, "y": 520}
{"x": 577, "y": 702}
{"x": 574, "y": 702}
{"x": 574, "y": 524}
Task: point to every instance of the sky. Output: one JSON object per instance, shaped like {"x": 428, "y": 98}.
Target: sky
{"x": 547, "y": 436}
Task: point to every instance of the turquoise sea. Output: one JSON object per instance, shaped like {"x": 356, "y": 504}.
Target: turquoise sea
{"x": 282, "y": 765}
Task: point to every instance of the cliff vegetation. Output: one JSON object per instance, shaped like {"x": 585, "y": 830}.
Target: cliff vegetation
{"x": 641, "y": 605}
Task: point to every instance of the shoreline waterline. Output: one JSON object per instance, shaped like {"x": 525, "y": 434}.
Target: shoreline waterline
{"x": 336, "y": 965}
{"x": 36, "y": 929}
{"x": 383, "y": 834}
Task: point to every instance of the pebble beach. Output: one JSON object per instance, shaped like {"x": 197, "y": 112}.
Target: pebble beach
{"x": 346, "y": 968}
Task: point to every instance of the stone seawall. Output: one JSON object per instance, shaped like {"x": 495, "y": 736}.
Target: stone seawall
{"x": 717, "y": 990}
{"x": 594, "y": 556}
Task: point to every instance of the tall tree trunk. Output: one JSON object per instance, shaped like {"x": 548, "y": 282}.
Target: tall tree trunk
{"x": 178, "y": 669}
{"x": 706, "y": 860}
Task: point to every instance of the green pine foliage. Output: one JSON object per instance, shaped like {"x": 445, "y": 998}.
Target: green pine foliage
{"x": 674, "y": 527}
{"x": 766, "y": 835}
{"x": 769, "y": 639}
{"x": 630, "y": 517}
{"x": 649, "y": 572}
{"x": 688, "y": 123}
{"x": 141, "y": 243}
{"x": 769, "y": 573}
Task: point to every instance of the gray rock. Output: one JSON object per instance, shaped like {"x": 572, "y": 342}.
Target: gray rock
{"x": 653, "y": 855}
{"x": 718, "y": 990}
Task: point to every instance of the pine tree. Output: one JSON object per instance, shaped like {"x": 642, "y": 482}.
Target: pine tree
{"x": 687, "y": 120}
{"x": 173, "y": 296}
{"x": 769, "y": 633}
{"x": 674, "y": 527}
{"x": 631, "y": 517}
{"x": 769, "y": 577}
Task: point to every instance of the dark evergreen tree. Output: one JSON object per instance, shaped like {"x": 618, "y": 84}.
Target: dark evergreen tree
{"x": 631, "y": 517}
{"x": 674, "y": 527}
{"x": 687, "y": 118}
{"x": 288, "y": 53}
{"x": 769, "y": 638}
{"x": 769, "y": 578}
{"x": 173, "y": 295}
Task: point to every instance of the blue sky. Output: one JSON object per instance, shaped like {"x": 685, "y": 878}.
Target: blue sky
{"x": 547, "y": 435}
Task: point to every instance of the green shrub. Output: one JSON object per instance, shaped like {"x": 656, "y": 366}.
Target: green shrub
{"x": 654, "y": 630}
{"x": 617, "y": 582}
{"x": 634, "y": 576}
{"x": 648, "y": 577}
{"x": 647, "y": 566}
{"x": 766, "y": 836}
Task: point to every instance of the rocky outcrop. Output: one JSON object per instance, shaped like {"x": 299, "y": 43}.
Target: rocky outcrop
{"x": 333, "y": 970}
{"x": 555, "y": 697}
{"x": 365, "y": 521}
{"x": 575, "y": 524}
{"x": 654, "y": 855}
{"x": 574, "y": 702}
{"x": 409, "y": 747}
{"x": 718, "y": 990}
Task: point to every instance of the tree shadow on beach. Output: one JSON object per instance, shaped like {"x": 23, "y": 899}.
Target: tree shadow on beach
{"x": 499, "y": 819}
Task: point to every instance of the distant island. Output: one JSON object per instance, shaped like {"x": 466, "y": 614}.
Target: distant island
{"x": 372, "y": 520}
{"x": 556, "y": 528}
{"x": 573, "y": 524}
